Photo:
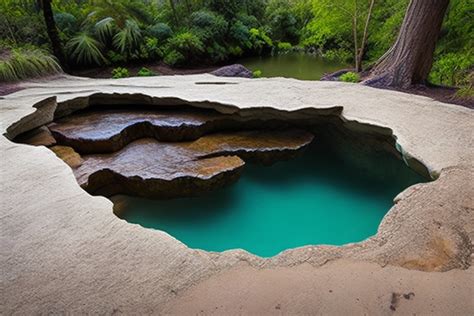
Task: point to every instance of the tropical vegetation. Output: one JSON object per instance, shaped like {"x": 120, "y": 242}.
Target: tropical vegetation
{"x": 185, "y": 33}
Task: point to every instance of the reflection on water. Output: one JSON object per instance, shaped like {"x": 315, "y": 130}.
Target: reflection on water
{"x": 292, "y": 65}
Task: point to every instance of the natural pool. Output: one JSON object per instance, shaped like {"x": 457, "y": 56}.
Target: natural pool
{"x": 317, "y": 198}
{"x": 293, "y": 65}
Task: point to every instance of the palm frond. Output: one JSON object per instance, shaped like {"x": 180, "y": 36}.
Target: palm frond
{"x": 85, "y": 50}
{"x": 127, "y": 39}
{"x": 105, "y": 29}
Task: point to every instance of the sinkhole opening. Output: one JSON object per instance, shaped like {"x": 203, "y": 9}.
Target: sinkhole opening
{"x": 263, "y": 181}
{"x": 320, "y": 197}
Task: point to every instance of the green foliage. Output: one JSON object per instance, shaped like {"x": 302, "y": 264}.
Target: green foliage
{"x": 105, "y": 29}
{"x": 160, "y": 31}
{"x": 174, "y": 58}
{"x": 284, "y": 46}
{"x": 66, "y": 23}
{"x": 452, "y": 69}
{"x": 282, "y": 22}
{"x": 184, "y": 46}
{"x": 120, "y": 72}
{"x": 24, "y": 63}
{"x": 145, "y": 72}
{"x": 465, "y": 92}
{"x": 209, "y": 25}
{"x": 350, "y": 77}
{"x": 260, "y": 41}
{"x": 103, "y": 32}
{"x": 83, "y": 49}
{"x": 257, "y": 73}
{"x": 128, "y": 39}
{"x": 152, "y": 48}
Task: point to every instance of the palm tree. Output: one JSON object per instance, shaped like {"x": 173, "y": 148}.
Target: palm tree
{"x": 53, "y": 32}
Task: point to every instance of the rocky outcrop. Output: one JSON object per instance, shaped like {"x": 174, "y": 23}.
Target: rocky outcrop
{"x": 105, "y": 131}
{"x": 156, "y": 169}
{"x": 235, "y": 70}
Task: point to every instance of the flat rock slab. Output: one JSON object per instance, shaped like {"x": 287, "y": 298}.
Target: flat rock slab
{"x": 150, "y": 168}
{"x": 110, "y": 130}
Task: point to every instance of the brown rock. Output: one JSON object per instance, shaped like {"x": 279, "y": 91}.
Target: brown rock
{"x": 40, "y": 136}
{"x": 151, "y": 168}
{"x": 68, "y": 155}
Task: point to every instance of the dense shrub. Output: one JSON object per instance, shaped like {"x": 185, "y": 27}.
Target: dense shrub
{"x": 28, "y": 62}
{"x": 350, "y": 77}
{"x": 284, "y": 46}
{"x": 187, "y": 44}
{"x": 160, "y": 31}
{"x": 174, "y": 58}
{"x": 120, "y": 72}
{"x": 145, "y": 72}
{"x": 66, "y": 23}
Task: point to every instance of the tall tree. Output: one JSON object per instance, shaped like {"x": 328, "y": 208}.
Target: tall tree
{"x": 360, "y": 53}
{"x": 53, "y": 32}
{"x": 409, "y": 60}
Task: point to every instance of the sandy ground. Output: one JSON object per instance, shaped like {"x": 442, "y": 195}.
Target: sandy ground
{"x": 366, "y": 289}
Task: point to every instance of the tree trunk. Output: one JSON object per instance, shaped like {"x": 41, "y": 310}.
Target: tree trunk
{"x": 409, "y": 60}
{"x": 356, "y": 49}
{"x": 53, "y": 33}
{"x": 364, "y": 37}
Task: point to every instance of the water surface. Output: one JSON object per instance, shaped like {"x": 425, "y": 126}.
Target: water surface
{"x": 315, "y": 199}
{"x": 292, "y": 65}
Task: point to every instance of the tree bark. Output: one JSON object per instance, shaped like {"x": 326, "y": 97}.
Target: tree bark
{"x": 409, "y": 60}
{"x": 53, "y": 33}
{"x": 356, "y": 48}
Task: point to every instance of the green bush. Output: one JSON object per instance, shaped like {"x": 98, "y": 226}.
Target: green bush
{"x": 174, "y": 58}
{"x": 145, "y": 72}
{"x": 160, "y": 31}
{"x": 120, "y": 72}
{"x": 257, "y": 73}
{"x": 24, "y": 63}
{"x": 209, "y": 25}
{"x": 187, "y": 44}
{"x": 66, "y": 22}
{"x": 152, "y": 48}
{"x": 261, "y": 42}
{"x": 284, "y": 46}
{"x": 240, "y": 34}
{"x": 116, "y": 58}
{"x": 350, "y": 77}
{"x": 452, "y": 69}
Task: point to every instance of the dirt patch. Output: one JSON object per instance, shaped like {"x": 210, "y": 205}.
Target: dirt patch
{"x": 443, "y": 94}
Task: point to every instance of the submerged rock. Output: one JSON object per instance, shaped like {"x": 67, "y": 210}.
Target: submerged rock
{"x": 235, "y": 70}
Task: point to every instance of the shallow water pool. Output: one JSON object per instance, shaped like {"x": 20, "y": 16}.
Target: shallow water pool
{"x": 317, "y": 198}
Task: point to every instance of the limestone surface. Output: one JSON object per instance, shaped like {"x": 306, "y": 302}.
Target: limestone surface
{"x": 64, "y": 251}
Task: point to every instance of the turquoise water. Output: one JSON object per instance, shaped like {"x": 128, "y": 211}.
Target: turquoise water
{"x": 292, "y": 65}
{"x": 314, "y": 199}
